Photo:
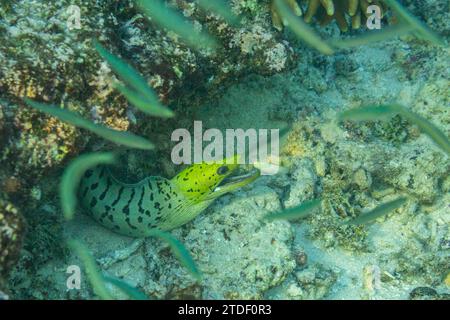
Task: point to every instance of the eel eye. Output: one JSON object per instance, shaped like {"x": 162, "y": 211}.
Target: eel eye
{"x": 222, "y": 170}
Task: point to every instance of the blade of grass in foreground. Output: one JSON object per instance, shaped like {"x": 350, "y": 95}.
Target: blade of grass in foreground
{"x": 129, "y": 290}
{"x": 120, "y": 137}
{"x": 300, "y": 211}
{"x": 179, "y": 251}
{"x": 72, "y": 176}
{"x": 172, "y": 20}
{"x": 379, "y": 211}
{"x": 94, "y": 275}
{"x": 424, "y": 31}
{"x": 301, "y": 29}
{"x": 134, "y": 80}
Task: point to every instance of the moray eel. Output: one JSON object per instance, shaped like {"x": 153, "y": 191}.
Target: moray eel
{"x": 156, "y": 202}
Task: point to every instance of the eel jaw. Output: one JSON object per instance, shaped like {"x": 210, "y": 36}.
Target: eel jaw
{"x": 234, "y": 182}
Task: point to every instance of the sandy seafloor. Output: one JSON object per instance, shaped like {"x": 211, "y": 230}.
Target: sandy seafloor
{"x": 371, "y": 75}
{"x": 352, "y": 167}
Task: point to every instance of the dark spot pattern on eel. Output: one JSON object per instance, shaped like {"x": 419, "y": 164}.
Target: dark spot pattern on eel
{"x": 153, "y": 203}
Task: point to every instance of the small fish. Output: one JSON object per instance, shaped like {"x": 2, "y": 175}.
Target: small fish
{"x": 384, "y": 112}
{"x": 137, "y": 91}
{"x": 128, "y": 289}
{"x": 433, "y": 132}
{"x": 373, "y": 36}
{"x": 300, "y": 211}
{"x": 170, "y": 19}
{"x": 180, "y": 251}
{"x": 379, "y": 211}
{"x": 422, "y": 30}
{"x": 221, "y": 8}
{"x": 368, "y": 113}
{"x": 120, "y": 137}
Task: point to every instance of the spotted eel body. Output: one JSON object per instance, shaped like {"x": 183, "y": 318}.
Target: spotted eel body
{"x": 155, "y": 202}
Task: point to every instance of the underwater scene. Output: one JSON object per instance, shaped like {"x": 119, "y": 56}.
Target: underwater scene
{"x": 224, "y": 150}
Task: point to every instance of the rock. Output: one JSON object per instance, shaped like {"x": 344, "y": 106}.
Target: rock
{"x": 303, "y": 183}
{"x": 45, "y": 59}
{"x": 423, "y": 293}
{"x": 245, "y": 255}
{"x": 235, "y": 265}
{"x": 311, "y": 283}
{"x": 11, "y": 235}
{"x": 362, "y": 179}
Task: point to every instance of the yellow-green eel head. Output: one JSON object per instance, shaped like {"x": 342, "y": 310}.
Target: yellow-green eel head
{"x": 156, "y": 202}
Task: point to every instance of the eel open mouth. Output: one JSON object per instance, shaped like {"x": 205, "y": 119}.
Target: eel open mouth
{"x": 236, "y": 180}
